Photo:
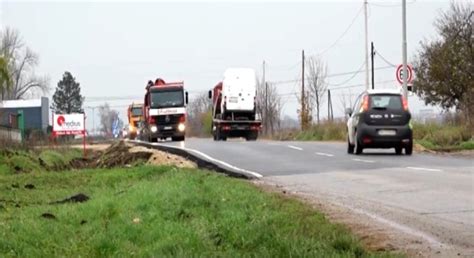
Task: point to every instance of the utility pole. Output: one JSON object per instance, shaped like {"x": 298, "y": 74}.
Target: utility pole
{"x": 303, "y": 106}
{"x": 265, "y": 120}
{"x": 366, "y": 46}
{"x": 330, "y": 111}
{"x": 404, "y": 47}
{"x": 372, "y": 55}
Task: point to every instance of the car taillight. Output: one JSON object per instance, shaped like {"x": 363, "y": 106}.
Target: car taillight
{"x": 365, "y": 103}
{"x": 404, "y": 103}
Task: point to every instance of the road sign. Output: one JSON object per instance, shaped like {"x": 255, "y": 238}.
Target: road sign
{"x": 68, "y": 124}
{"x": 400, "y": 74}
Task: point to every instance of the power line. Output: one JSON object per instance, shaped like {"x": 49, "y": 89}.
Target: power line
{"x": 329, "y": 75}
{"x": 352, "y": 77}
{"x": 390, "y": 5}
{"x": 359, "y": 85}
{"x": 384, "y": 59}
{"x": 344, "y": 33}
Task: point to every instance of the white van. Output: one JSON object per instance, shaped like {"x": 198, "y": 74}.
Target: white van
{"x": 239, "y": 89}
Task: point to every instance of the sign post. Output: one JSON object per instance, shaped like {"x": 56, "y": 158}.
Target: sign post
{"x": 70, "y": 124}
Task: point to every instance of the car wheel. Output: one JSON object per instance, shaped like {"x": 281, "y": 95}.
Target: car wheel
{"x": 350, "y": 147}
{"x": 409, "y": 149}
{"x": 358, "y": 147}
{"x": 398, "y": 150}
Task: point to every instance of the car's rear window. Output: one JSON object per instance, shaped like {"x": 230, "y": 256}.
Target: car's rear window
{"x": 386, "y": 101}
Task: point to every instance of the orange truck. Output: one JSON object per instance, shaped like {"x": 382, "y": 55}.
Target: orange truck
{"x": 135, "y": 116}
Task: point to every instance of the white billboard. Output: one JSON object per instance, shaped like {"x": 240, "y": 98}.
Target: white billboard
{"x": 67, "y": 124}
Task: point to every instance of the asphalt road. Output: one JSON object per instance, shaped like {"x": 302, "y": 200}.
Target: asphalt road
{"x": 429, "y": 196}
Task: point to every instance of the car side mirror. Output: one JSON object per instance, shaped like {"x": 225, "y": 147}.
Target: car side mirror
{"x": 187, "y": 97}
{"x": 349, "y": 111}
{"x": 210, "y": 94}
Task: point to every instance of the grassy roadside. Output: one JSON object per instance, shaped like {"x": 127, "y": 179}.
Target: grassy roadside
{"x": 34, "y": 160}
{"x": 160, "y": 211}
{"x": 437, "y": 137}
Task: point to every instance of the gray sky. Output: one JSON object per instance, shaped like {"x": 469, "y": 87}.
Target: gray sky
{"x": 113, "y": 48}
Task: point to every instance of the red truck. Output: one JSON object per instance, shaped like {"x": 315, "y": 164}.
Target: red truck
{"x": 234, "y": 106}
{"x": 164, "y": 113}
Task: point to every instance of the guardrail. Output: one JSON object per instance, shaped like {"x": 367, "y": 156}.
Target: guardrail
{"x": 10, "y": 134}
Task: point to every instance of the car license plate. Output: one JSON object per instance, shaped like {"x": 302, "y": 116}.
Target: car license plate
{"x": 233, "y": 99}
{"x": 387, "y": 132}
{"x": 168, "y": 128}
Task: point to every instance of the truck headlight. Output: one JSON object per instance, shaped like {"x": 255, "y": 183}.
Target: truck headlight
{"x": 154, "y": 129}
{"x": 131, "y": 128}
{"x": 181, "y": 127}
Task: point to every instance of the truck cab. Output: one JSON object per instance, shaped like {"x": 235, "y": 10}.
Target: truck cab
{"x": 165, "y": 111}
{"x": 135, "y": 115}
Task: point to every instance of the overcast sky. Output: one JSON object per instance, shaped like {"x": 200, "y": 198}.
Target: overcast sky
{"x": 113, "y": 48}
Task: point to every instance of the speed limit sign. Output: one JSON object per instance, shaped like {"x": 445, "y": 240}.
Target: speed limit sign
{"x": 400, "y": 74}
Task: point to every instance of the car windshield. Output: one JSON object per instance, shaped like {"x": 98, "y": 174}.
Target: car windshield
{"x": 136, "y": 111}
{"x": 162, "y": 99}
{"x": 385, "y": 102}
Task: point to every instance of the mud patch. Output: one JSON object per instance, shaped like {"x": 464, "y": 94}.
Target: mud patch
{"x": 30, "y": 186}
{"x": 47, "y": 215}
{"x": 73, "y": 199}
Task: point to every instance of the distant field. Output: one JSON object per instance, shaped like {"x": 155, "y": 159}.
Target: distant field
{"x": 148, "y": 211}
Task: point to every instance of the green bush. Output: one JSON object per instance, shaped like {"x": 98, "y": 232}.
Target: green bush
{"x": 441, "y": 135}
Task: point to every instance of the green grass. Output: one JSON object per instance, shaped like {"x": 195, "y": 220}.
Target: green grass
{"x": 440, "y": 137}
{"x": 28, "y": 161}
{"x": 182, "y": 213}
{"x": 443, "y": 137}
{"x": 57, "y": 159}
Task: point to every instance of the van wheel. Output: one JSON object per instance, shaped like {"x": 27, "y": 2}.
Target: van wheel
{"x": 350, "y": 147}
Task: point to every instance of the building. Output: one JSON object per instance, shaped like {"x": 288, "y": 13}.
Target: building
{"x": 35, "y": 113}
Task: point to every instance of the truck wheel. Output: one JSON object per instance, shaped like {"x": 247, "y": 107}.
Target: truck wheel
{"x": 252, "y": 136}
{"x": 177, "y": 139}
{"x": 152, "y": 139}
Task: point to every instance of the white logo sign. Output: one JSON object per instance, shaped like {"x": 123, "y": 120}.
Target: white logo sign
{"x": 167, "y": 111}
{"x": 68, "y": 124}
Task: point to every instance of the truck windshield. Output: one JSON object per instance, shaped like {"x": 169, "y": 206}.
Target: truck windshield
{"x": 136, "y": 111}
{"x": 162, "y": 99}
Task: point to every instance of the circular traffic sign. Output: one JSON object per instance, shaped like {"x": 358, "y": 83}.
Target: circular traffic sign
{"x": 399, "y": 74}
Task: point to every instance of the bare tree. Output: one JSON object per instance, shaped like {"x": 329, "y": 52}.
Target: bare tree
{"x": 198, "y": 110}
{"x": 22, "y": 62}
{"x": 346, "y": 100}
{"x": 107, "y": 118}
{"x": 316, "y": 77}
{"x": 269, "y": 106}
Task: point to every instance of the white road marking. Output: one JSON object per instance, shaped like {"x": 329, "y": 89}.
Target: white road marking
{"x": 255, "y": 174}
{"x": 364, "y": 160}
{"x": 295, "y": 148}
{"x": 432, "y": 240}
{"x": 324, "y": 154}
{"x": 425, "y": 169}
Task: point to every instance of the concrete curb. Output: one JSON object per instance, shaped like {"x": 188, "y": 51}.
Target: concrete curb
{"x": 202, "y": 162}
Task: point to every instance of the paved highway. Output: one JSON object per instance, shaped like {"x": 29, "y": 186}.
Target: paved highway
{"x": 429, "y": 197}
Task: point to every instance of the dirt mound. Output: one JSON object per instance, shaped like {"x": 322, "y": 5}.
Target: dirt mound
{"x": 118, "y": 155}
{"x": 122, "y": 154}
{"x": 163, "y": 158}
